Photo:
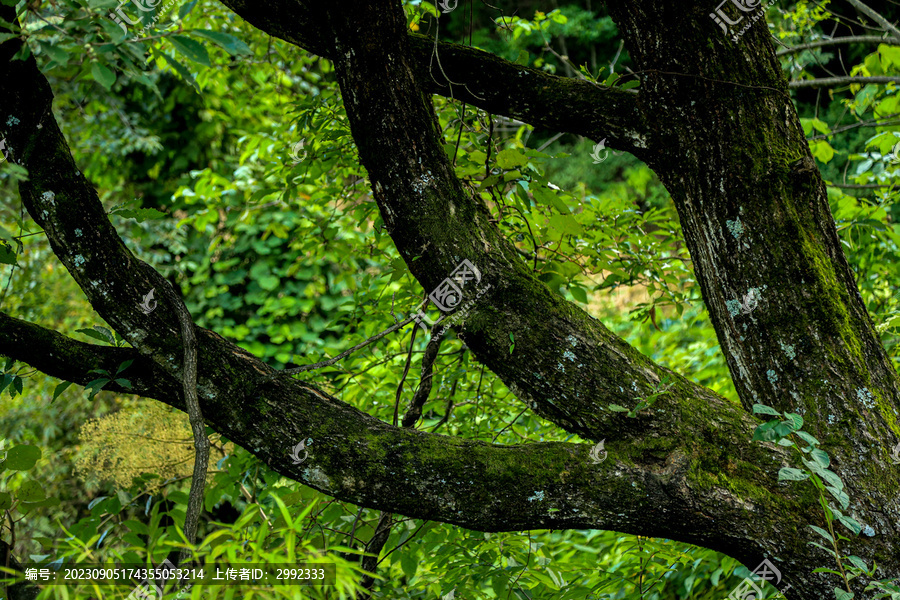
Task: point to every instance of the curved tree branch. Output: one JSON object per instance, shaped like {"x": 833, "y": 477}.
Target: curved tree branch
{"x": 485, "y": 80}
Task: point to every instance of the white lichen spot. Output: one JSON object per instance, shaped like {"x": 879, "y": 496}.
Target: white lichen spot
{"x": 866, "y": 397}
{"x": 539, "y": 496}
{"x": 868, "y": 531}
{"x": 572, "y": 340}
{"x": 48, "y": 196}
{"x": 831, "y": 419}
{"x": 317, "y": 476}
{"x": 788, "y": 350}
{"x": 79, "y": 260}
{"x": 736, "y": 228}
{"x": 12, "y": 121}
{"x": 569, "y": 354}
{"x": 772, "y": 375}
{"x": 77, "y": 233}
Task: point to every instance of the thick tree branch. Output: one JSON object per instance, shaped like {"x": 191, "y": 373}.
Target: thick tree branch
{"x": 825, "y": 82}
{"x": 357, "y": 458}
{"x": 481, "y": 79}
{"x": 850, "y": 39}
{"x": 886, "y": 25}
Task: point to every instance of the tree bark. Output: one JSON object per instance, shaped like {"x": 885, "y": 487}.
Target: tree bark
{"x": 719, "y": 128}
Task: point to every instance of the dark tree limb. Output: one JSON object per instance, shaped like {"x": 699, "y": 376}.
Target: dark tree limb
{"x": 484, "y": 80}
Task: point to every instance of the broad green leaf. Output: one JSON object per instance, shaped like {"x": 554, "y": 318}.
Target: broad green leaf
{"x": 821, "y": 150}
{"x": 762, "y": 409}
{"x": 182, "y": 70}
{"x": 565, "y": 224}
{"x": 229, "y": 43}
{"x": 794, "y": 420}
{"x": 103, "y": 75}
{"x": 5, "y": 500}
{"x": 840, "y": 594}
{"x": 59, "y": 389}
{"x": 31, "y": 491}
{"x": 190, "y": 48}
{"x": 22, "y": 457}
{"x": 409, "y": 564}
{"x": 140, "y": 214}
{"x": 7, "y": 254}
{"x": 511, "y": 158}
{"x": 822, "y": 532}
{"x": 821, "y": 457}
{"x": 851, "y": 524}
{"x": 791, "y": 474}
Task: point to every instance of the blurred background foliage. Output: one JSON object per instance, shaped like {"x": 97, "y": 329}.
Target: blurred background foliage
{"x": 225, "y": 159}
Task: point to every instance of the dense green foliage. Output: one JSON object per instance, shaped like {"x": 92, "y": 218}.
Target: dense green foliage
{"x": 192, "y": 135}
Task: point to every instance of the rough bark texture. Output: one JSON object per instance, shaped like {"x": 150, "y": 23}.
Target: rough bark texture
{"x": 714, "y": 119}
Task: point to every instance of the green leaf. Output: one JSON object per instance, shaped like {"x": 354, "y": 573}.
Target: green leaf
{"x": 765, "y": 432}
{"x": 55, "y": 52}
{"x": 409, "y": 564}
{"x": 821, "y": 457}
{"x": 93, "y": 333}
{"x": 22, "y": 457}
{"x": 809, "y": 439}
{"x": 511, "y": 158}
{"x": 550, "y": 198}
{"x": 5, "y": 500}
{"x": 823, "y": 533}
{"x": 858, "y": 563}
{"x": 269, "y": 282}
{"x": 850, "y": 523}
{"x": 840, "y": 594}
{"x": 103, "y": 75}
{"x": 31, "y": 491}
{"x": 790, "y": 474}
{"x": 565, "y": 224}
{"x": 821, "y": 150}
{"x": 190, "y": 48}
{"x": 28, "y": 506}
{"x": 59, "y": 389}
{"x": 183, "y": 71}
{"x": 617, "y": 408}
{"x": 762, "y": 409}
{"x": 794, "y": 420}
{"x": 7, "y": 254}
{"x": 840, "y": 495}
{"x": 140, "y": 214}
{"x": 579, "y": 293}
{"x": 229, "y": 43}
{"x": 185, "y": 9}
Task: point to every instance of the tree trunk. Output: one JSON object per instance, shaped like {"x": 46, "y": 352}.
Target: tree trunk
{"x": 714, "y": 119}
